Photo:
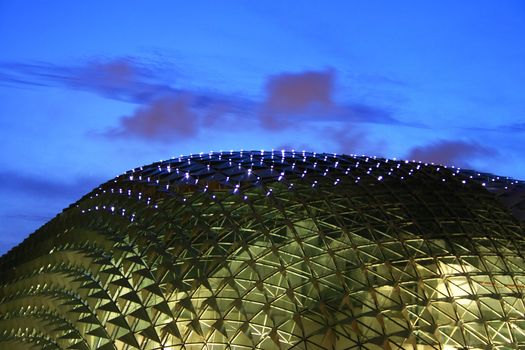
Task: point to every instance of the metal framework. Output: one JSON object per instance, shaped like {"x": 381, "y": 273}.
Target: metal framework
{"x": 275, "y": 250}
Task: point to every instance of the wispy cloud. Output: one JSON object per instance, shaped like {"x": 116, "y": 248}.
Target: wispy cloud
{"x": 451, "y": 152}
{"x": 293, "y": 98}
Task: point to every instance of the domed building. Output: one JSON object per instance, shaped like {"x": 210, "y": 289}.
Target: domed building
{"x": 275, "y": 250}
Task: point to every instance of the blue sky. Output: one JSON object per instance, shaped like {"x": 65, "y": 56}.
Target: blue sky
{"x": 91, "y": 89}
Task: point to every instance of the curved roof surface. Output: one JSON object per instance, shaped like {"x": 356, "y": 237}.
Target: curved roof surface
{"x": 236, "y": 170}
{"x": 302, "y": 250}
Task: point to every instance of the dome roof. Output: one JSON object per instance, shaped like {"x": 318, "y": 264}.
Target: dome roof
{"x": 269, "y": 250}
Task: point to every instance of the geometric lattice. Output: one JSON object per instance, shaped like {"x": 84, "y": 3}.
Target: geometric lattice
{"x": 271, "y": 250}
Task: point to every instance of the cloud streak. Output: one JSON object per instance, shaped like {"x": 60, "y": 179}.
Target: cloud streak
{"x": 123, "y": 79}
{"x": 516, "y": 127}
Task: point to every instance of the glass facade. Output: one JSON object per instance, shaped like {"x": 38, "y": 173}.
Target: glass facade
{"x": 275, "y": 250}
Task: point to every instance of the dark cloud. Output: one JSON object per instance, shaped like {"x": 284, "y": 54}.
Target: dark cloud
{"x": 165, "y": 119}
{"x": 166, "y": 113}
{"x": 309, "y": 96}
{"x": 43, "y": 187}
{"x": 297, "y": 94}
{"x": 458, "y": 153}
{"x": 306, "y": 96}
